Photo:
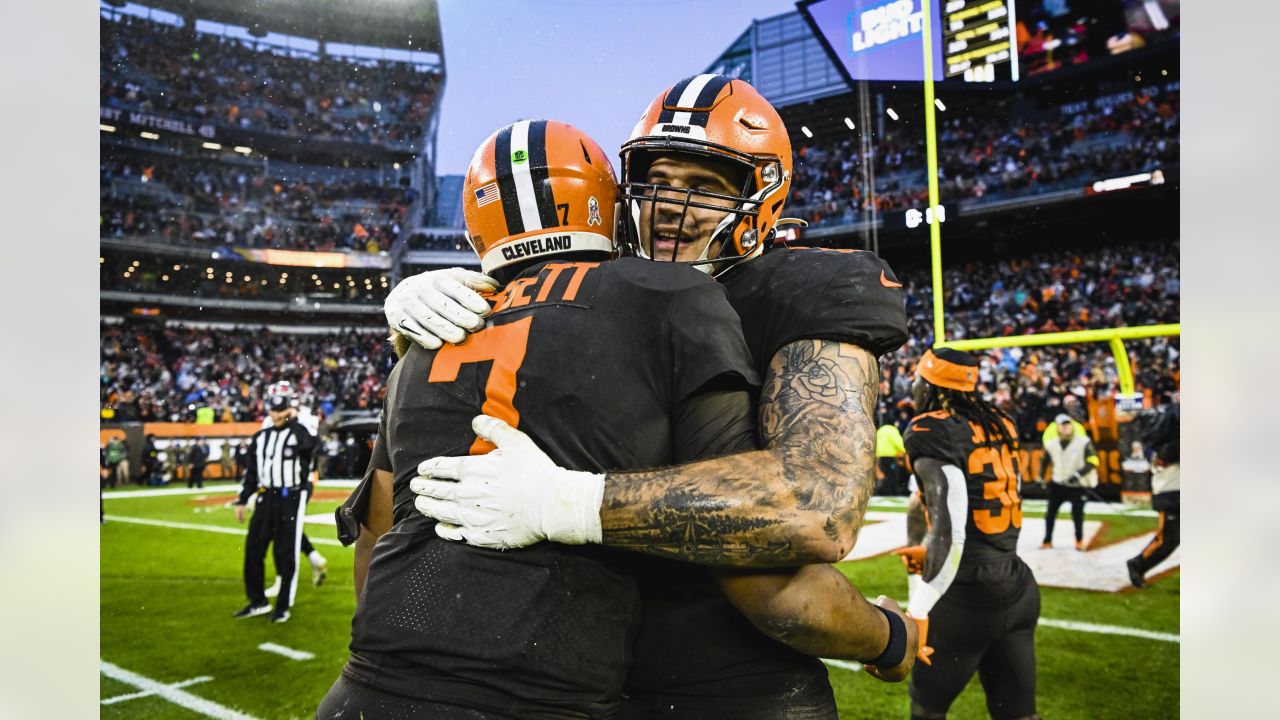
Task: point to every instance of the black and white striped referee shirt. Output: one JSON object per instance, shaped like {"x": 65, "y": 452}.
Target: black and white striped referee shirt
{"x": 278, "y": 458}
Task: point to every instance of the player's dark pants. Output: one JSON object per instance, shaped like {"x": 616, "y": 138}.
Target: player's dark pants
{"x": 1059, "y": 494}
{"x": 276, "y": 521}
{"x": 1167, "y": 533}
{"x": 348, "y": 700}
{"x": 969, "y": 632}
{"x": 807, "y": 701}
{"x": 894, "y": 480}
{"x": 196, "y": 478}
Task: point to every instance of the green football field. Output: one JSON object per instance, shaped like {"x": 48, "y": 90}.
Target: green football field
{"x": 171, "y": 577}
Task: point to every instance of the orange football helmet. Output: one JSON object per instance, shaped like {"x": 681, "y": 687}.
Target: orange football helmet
{"x": 711, "y": 116}
{"x": 538, "y": 188}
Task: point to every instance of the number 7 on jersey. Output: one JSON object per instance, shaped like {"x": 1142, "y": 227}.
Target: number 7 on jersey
{"x": 504, "y": 345}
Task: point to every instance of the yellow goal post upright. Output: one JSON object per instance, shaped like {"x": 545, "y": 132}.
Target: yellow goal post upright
{"x": 1115, "y": 337}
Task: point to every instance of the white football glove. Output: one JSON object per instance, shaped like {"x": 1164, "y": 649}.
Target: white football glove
{"x": 511, "y": 497}
{"x": 439, "y": 305}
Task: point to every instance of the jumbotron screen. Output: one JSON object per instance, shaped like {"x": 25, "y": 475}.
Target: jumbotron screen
{"x": 983, "y": 40}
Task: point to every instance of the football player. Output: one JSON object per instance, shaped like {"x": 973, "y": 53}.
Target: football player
{"x": 308, "y": 420}
{"x": 975, "y": 601}
{"x": 579, "y": 352}
{"x": 706, "y": 175}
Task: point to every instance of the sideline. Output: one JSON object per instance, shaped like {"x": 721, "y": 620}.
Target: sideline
{"x": 1092, "y": 508}
{"x": 240, "y": 531}
{"x": 1061, "y": 625}
{"x": 222, "y": 487}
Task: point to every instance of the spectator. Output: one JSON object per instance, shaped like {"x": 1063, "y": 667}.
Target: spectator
{"x": 197, "y": 457}
{"x": 226, "y": 460}
{"x": 150, "y": 462}
{"x": 116, "y": 461}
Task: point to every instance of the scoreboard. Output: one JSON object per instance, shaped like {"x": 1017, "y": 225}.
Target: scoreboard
{"x": 979, "y": 40}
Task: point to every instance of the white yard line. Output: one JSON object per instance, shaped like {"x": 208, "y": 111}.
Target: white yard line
{"x": 1061, "y": 625}
{"x": 1093, "y": 507}
{"x": 204, "y": 528}
{"x": 177, "y": 696}
{"x": 1110, "y": 630}
{"x": 220, "y": 489}
{"x": 286, "y": 651}
{"x": 148, "y": 693}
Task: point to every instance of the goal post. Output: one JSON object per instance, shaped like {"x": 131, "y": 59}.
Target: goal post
{"x": 1114, "y": 336}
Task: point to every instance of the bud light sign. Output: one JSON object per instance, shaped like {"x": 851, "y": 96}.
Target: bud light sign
{"x": 876, "y": 40}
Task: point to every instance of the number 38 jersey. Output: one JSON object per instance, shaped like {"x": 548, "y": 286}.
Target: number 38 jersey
{"x": 595, "y": 361}
{"x": 992, "y": 475}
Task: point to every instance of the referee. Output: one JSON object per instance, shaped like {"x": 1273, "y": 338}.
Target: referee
{"x": 277, "y": 470}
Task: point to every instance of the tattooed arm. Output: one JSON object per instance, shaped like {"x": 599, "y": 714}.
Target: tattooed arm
{"x": 799, "y": 500}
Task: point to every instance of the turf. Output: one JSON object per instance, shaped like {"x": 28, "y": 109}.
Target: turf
{"x": 168, "y": 595}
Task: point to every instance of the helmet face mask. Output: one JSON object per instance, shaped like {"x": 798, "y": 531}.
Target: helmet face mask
{"x": 690, "y": 207}
{"x": 730, "y": 133}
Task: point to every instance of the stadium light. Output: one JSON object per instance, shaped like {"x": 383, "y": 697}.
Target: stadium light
{"x": 149, "y": 135}
{"x": 211, "y": 146}
{"x": 938, "y": 103}
{"x": 106, "y": 128}
{"x": 849, "y": 123}
{"x": 804, "y": 129}
{"x": 891, "y": 113}
{"x": 243, "y": 149}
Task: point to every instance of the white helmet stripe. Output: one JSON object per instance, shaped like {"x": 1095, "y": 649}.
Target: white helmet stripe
{"x": 523, "y": 179}
{"x": 689, "y": 97}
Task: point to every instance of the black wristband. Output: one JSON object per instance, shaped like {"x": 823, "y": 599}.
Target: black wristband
{"x": 896, "y": 650}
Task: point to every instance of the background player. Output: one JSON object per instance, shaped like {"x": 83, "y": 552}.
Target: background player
{"x": 1159, "y": 430}
{"x": 976, "y": 602}
{"x": 705, "y": 188}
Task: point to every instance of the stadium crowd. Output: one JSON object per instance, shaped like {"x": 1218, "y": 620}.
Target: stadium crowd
{"x": 153, "y": 67}
{"x": 983, "y": 155}
{"x": 152, "y": 372}
{"x": 1051, "y": 292}
{"x": 218, "y": 203}
{"x": 424, "y": 240}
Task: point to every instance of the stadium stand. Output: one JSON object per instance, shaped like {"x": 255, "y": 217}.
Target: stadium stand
{"x": 1048, "y": 292}
{"x": 154, "y": 67}
{"x": 152, "y": 372}
{"x": 250, "y": 171}
{"x": 990, "y": 156}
